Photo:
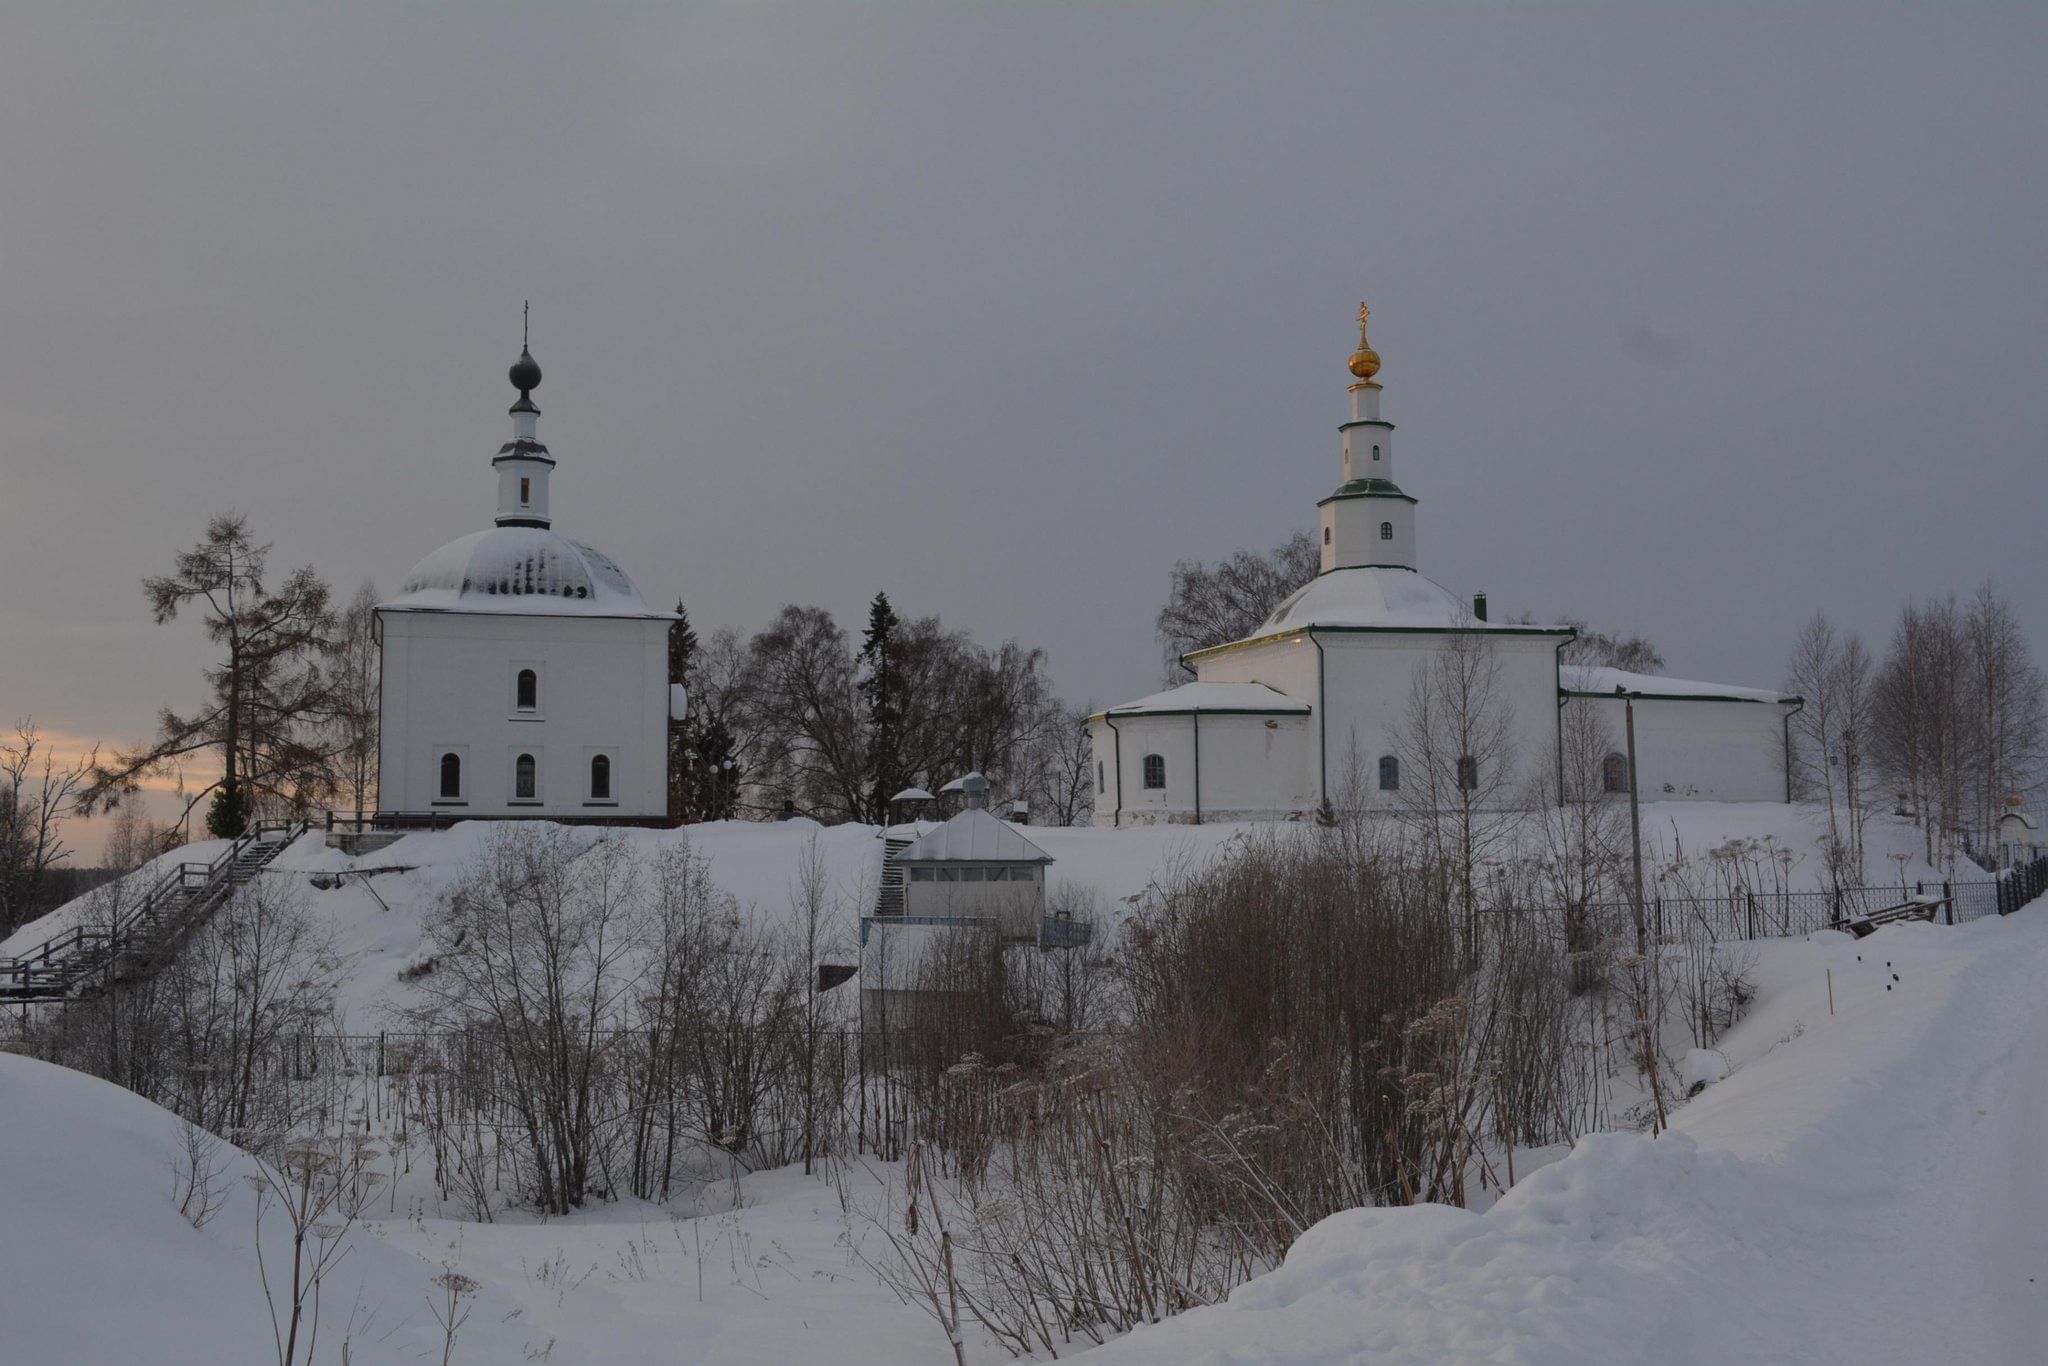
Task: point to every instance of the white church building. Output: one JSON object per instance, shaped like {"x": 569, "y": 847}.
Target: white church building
{"x": 1309, "y": 708}
{"x": 522, "y": 673}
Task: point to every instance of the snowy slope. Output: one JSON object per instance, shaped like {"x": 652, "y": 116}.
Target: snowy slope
{"x": 1865, "y": 1187}
{"x": 97, "y": 1265}
{"x": 380, "y": 929}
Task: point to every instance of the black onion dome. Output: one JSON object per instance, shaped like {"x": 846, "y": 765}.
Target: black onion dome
{"x": 525, "y": 372}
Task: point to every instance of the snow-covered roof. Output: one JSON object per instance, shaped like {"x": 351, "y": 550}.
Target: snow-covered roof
{"x": 1599, "y": 679}
{"x": 913, "y": 794}
{"x": 525, "y": 570}
{"x": 973, "y": 836}
{"x": 1213, "y": 697}
{"x": 1380, "y": 598}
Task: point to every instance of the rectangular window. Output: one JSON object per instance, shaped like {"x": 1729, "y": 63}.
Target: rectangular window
{"x": 1027, "y": 873}
{"x": 948, "y": 874}
{"x": 999, "y": 875}
{"x": 972, "y": 875}
{"x": 1099, "y": 788}
{"x": 922, "y": 874}
{"x": 525, "y": 492}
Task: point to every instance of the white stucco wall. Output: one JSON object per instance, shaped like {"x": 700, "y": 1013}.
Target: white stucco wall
{"x": 1252, "y": 767}
{"x": 1369, "y": 677}
{"x": 448, "y": 686}
{"x": 1287, "y": 663}
{"x": 1700, "y": 749}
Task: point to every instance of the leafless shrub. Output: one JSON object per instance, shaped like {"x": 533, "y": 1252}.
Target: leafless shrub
{"x": 196, "y": 1170}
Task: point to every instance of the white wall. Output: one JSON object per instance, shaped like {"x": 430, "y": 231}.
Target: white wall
{"x": 1252, "y": 767}
{"x": 448, "y": 686}
{"x": 1368, "y": 678}
{"x": 1700, "y": 749}
{"x": 1287, "y": 663}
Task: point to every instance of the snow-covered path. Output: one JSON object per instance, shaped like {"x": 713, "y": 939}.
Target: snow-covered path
{"x": 1868, "y": 1186}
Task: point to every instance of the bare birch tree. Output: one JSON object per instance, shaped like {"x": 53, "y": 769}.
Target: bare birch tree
{"x": 38, "y": 792}
{"x": 1459, "y": 766}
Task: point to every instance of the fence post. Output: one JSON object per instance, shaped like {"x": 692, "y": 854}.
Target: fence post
{"x": 1749, "y": 900}
{"x": 1948, "y": 897}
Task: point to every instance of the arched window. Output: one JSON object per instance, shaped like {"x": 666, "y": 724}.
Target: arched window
{"x": 1155, "y": 771}
{"x": 524, "y": 778}
{"x": 1390, "y": 773}
{"x": 1386, "y": 531}
{"x": 1614, "y": 773}
{"x": 1375, "y": 452}
{"x": 1099, "y": 788}
{"x": 529, "y": 690}
{"x": 600, "y": 778}
{"x": 1468, "y": 773}
{"x": 1326, "y": 535}
{"x": 451, "y": 776}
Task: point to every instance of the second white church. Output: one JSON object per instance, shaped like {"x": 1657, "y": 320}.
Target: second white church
{"x": 1313, "y": 706}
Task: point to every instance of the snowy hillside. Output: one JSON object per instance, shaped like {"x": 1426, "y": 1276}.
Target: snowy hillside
{"x": 1865, "y": 1187}
{"x": 1859, "y": 1185}
{"x": 379, "y": 928}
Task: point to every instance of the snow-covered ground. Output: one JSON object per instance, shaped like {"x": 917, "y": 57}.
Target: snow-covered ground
{"x": 380, "y": 928}
{"x": 1866, "y": 1186}
{"x": 1863, "y": 1185}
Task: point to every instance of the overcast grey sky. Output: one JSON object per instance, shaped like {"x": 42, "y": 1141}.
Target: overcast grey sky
{"x": 1694, "y": 321}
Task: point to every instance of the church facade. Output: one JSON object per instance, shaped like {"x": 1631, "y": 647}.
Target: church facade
{"x": 1314, "y": 707}
{"x": 523, "y": 675}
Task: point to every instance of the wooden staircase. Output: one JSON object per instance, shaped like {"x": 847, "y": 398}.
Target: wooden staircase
{"x": 89, "y": 960}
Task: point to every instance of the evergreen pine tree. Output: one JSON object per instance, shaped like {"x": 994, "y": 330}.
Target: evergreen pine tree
{"x": 717, "y": 772}
{"x": 881, "y": 689}
{"x": 683, "y": 779}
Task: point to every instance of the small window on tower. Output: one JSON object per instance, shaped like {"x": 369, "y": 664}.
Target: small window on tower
{"x": 1468, "y": 773}
{"x": 1390, "y": 773}
{"x": 1326, "y": 535}
{"x": 1375, "y": 452}
{"x": 600, "y": 778}
{"x": 451, "y": 777}
{"x": 1099, "y": 788}
{"x": 1386, "y": 531}
{"x": 529, "y": 690}
{"x": 526, "y": 485}
{"x": 525, "y": 778}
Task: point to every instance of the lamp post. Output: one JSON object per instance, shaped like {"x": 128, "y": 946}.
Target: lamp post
{"x": 1635, "y": 817}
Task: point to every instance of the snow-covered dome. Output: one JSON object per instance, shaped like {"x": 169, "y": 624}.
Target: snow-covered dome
{"x": 527, "y": 570}
{"x": 1370, "y": 596}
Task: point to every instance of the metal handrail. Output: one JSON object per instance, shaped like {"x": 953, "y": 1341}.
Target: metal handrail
{"x": 175, "y": 884}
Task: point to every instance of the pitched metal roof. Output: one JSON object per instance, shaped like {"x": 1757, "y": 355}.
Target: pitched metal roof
{"x": 973, "y": 836}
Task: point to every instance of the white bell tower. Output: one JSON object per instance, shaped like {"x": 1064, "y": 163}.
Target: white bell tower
{"x": 523, "y": 463}
{"x": 1368, "y": 522}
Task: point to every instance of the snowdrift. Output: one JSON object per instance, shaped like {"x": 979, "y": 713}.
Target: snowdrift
{"x": 98, "y": 1265}
{"x": 1865, "y": 1186}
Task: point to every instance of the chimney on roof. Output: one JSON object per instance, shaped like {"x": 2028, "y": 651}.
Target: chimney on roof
{"x": 1479, "y": 606}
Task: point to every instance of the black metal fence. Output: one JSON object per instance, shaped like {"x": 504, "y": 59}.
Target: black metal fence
{"x": 1774, "y": 915}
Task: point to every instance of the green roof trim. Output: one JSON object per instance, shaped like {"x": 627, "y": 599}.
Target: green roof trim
{"x": 1563, "y": 691}
{"x": 1478, "y": 628}
{"x": 1122, "y": 715}
{"x": 1367, "y": 488}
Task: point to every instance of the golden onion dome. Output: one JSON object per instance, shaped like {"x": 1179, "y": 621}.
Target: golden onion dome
{"x": 1365, "y": 362}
